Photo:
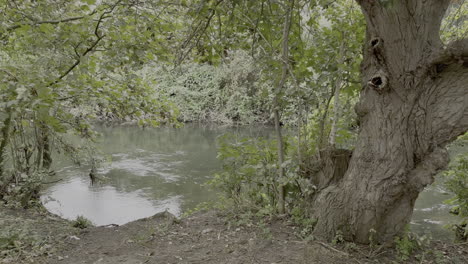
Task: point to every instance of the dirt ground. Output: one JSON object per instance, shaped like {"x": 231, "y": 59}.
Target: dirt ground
{"x": 209, "y": 237}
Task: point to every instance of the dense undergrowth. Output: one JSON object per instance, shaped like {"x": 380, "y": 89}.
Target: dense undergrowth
{"x": 456, "y": 181}
{"x": 230, "y": 93}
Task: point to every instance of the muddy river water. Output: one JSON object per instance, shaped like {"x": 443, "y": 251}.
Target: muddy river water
{"x": 152, "y": 170}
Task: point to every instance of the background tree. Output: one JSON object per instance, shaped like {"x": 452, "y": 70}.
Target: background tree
{"x": 62, "y": 63}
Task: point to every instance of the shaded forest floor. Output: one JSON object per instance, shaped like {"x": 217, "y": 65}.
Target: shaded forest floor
{"x": 36, "y": 236}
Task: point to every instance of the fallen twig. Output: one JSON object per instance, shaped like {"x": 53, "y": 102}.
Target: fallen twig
{"x": 331, "y": 248}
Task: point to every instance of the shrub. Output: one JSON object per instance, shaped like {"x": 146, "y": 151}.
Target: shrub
{"x": 82, "y": 222}
{"x": 249, "y": 170}
{"x": 405, "y": 246}
{"x": 226, "y": 93}
{"x": 456, "y": 181}
{"x": 249, "y": 174}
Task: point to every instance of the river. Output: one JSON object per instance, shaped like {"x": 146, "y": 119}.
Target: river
{"x": 152, "y": 170}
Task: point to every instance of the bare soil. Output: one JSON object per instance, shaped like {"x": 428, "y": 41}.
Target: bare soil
{"x": 208, "y": 237}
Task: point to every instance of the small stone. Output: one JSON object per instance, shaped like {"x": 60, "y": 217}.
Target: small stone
{"x": 206, "y": 231}
{"x": 60, "y": 258}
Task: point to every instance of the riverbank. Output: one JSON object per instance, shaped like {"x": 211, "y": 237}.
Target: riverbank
{"x": 36, "y": 236}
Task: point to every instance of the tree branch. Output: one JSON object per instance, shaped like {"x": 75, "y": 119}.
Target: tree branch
{"x": 99, "y": 37}
{"x": 456, "y": 51}
{"x": 9, "y": 74}
{"x": 194, "y": 34}
{"x": 78, "y": 60}
{"x": 442, "y": 108}
{"x": 53, "y": 22}
{"x": 369, "y": 3}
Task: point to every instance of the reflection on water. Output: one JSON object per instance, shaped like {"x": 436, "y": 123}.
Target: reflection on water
{"x": 153, "y": 170}
{"x": 145, "y": 163}
{"x": 104, "y": 204}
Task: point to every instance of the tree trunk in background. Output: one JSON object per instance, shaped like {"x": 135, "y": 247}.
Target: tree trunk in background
{"x": 4, "y": 140}
{"x": 336, "y": 99}
{"x": 276, "y": 106}
{"x": 413, "y": 102}
{"x": 46, "y": 154}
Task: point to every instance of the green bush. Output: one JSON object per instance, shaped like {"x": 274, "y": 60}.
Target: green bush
{"x": 14, "y": 243}
{"x": 82, "y": 222}
{"x": 249, "y": 175}
{"x": 249, "y": 170}
{"x": 22, "y": 190}
{"x": 457, "y": 183}
{"x": 227, "y": 93}
{"x": 405, "y": 246}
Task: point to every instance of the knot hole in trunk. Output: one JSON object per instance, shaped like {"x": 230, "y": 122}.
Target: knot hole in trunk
{"x": 377, "y": 50}
{"x": 375, "y": 42}
{"x": 378, "y": 82}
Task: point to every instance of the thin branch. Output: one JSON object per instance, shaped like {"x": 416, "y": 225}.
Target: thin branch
{"x": 256, "y": 29}
{"x": 276, "y": 101}
{"x": 9, "y": 74}
{"x": 99, "y": 37}
{"x": 331, "y": 248}
{"x": 78, "y": 60}
{"x": 49, "y": 182}
{"x": 75, "y": 96}
{"x": 52, "y": 22}
{"x": 207, "y": 24}
{"x": 195, "y": 33}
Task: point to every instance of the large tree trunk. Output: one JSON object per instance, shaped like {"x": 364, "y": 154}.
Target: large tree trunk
{"x": 413, "y": 102}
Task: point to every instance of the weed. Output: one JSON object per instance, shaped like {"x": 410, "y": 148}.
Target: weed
{"x": 405, "y": 246}
{"x": 372, "y": 235}
{"x": 22, "y": 239}
{"x": 220, "y": 203}
{"x": 457, "y": 183}
{"x": 81, "y": 222}
{"x": 306, "y": 223}
{"x": 266, "y": 232}
{"x": 349, "y": 246}
{"x": 338, "y": 238}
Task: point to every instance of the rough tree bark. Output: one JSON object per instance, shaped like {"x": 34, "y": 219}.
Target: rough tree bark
{"x": 413, "y": 102}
